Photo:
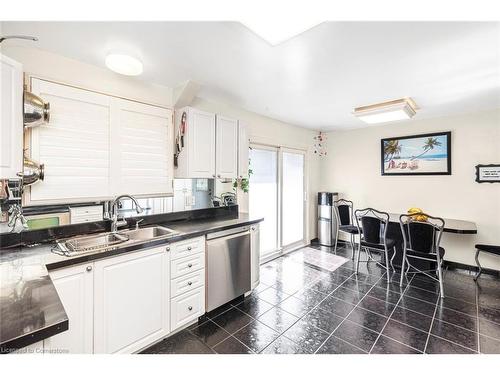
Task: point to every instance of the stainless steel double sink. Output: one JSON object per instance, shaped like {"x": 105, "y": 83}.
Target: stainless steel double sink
{"x": 109, "y": 241}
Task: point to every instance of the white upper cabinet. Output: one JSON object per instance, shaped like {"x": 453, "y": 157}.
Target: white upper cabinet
{"x": 208, "y": 147}
{"x": 243, "y": 145}
{"x": 97, "y": 146}
{"x": 141, "y": 161}
{"x": 226, "y": 146}
{"x": 197, "y": 155}
{"x": 11, "y": 117}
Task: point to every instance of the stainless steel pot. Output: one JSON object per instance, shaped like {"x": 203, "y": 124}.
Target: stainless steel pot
{"x": 32, "y": 171}
{"x": 36, "y": 110}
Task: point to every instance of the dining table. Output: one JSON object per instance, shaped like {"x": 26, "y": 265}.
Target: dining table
{"x": 455, "y": 226}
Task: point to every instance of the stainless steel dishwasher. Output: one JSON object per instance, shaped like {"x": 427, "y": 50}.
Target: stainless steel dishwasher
{"x": 228, "y": 266}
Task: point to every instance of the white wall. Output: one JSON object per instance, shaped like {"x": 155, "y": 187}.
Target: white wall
{"x": 58, "y": 68}
{"x": 353, "y": 169}
{"x": 265, "y": 130}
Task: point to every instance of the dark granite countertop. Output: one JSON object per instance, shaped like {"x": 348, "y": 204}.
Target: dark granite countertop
{"x": 30, "y": 308}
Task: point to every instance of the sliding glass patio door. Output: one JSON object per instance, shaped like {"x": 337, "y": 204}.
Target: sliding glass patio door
{"x": 292, "y": 198}
{"x": 277, "y": 193}
{"x": 263, "y": 195}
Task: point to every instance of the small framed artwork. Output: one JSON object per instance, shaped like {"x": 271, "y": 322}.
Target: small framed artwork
{"x": 488, "y": 173}
{"x": 421, "y": 154}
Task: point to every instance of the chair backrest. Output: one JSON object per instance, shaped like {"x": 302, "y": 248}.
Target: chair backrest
{"x": 343, "y": 211}
{"x": 373, "y": 224}
{"x": 421, "y": 235}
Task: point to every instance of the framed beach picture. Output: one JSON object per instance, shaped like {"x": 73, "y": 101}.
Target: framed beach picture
{"x": 422, "y": 154}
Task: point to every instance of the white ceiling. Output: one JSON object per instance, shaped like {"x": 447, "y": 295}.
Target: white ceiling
{"x": 313, "y": 80}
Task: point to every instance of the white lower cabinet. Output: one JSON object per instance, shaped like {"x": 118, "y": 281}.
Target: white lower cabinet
{"x": 75, "y": 286}
{"x": 187, "y": 307}
{"x": 131, "y": 301}
{"x": 124, "y": 303}
{"x": 187, "y": 282}
{"x": 255, "y": 254}
{"x": 186, "y": 265}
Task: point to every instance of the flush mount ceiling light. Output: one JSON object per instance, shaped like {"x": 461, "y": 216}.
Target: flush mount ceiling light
{"x": 124, "y": 64}
{"x": 393, "y": 110}
{"x": 277, "y": 32}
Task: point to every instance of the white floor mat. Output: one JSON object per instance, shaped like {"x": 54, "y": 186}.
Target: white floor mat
{"x": 318, "y": 258}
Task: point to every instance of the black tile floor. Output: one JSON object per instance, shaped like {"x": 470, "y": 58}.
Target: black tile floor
{"x": 303, "y": 308}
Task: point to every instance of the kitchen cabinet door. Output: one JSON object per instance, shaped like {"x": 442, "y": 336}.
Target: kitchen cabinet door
{"x": 197, "y": 158}
{"x": 141, "y": 148}
{"x": 131, "y": 301}
{"x": 243, "y": 144}
{"x": 11, "y": 118}
{"x": 187, "y": 307}
{"x": 226, "y": 147}
{"x": 75, "y": 287}
{"x": 201, "y": 139}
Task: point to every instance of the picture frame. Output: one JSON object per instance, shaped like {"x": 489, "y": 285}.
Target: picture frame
{"x": 416, "y": 155}
{"x": 488, "y": 173}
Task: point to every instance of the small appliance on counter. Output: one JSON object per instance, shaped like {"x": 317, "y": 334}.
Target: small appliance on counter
{"x": 41, "y": 217}
{"x": 327, "y": 223}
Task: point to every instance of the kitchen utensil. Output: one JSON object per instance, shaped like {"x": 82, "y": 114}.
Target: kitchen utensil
{"x": 36, "y": 110}
{"x": 4, "y": 190}
{"x": 32, "y": 171}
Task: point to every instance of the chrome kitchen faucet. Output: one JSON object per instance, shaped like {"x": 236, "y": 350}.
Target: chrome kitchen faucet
{"x": 115, "y": 223}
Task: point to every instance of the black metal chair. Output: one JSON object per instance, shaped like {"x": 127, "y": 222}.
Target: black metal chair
{"x": 373, "y": 225}
{"x": 421, "y": 239}
{"x": 345, "y": 223}
{"x": 491, "y": 249}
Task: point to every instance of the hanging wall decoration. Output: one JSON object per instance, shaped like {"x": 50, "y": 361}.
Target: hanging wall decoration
{"x": 488, "y": 173}
{"x": 421, "y": 154}
{"x": 319, "y": 145}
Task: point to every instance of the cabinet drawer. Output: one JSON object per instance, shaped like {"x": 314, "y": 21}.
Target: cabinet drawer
{"x": 183, "y": 266}
{"x": 86, "y": 210}
{"x": 188, "y": 247}
{"x": 85, "y": 214}
{"x": 85, "y": 219}
{"x": 186, "y": 308}
{"x": 187, "y": 283}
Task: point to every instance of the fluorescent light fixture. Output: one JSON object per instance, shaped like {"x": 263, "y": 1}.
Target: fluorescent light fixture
{"x": 393, "y": 110}
{"x": 275, "y": 32}
{"x": 124, "y": 64}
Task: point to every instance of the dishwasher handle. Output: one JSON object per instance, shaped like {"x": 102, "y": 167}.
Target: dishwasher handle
{"x": 229, "y": 237}
{"x": 229, "y": 233}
